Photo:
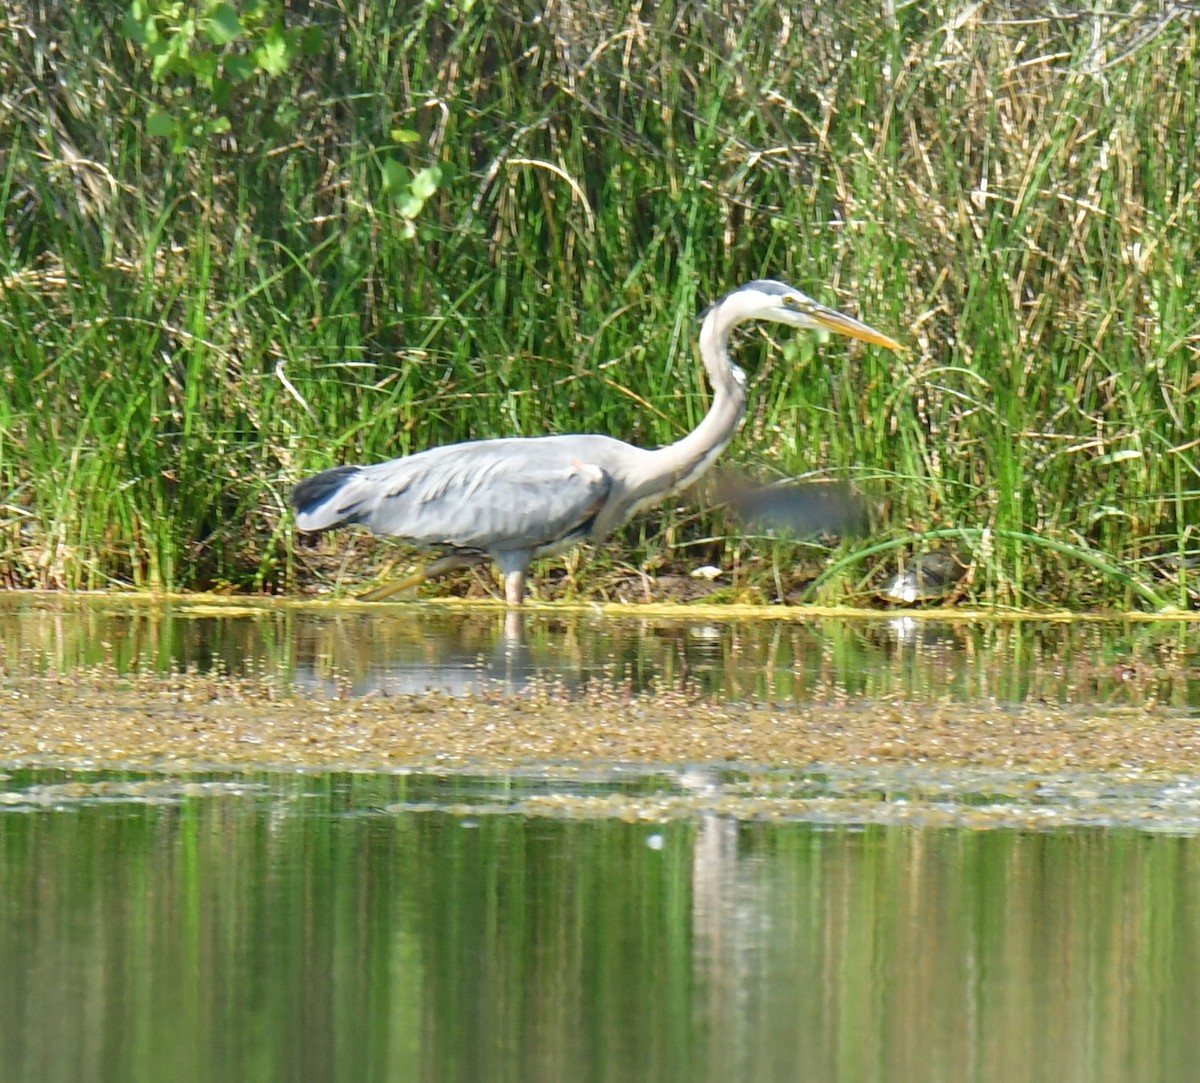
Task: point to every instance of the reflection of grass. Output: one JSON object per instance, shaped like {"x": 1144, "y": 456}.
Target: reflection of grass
{"x": 185, "y": 335}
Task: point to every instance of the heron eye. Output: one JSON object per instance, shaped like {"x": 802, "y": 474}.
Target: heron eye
{"x": 791, "y": 301}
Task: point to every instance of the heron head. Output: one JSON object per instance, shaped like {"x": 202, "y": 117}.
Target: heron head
{"x": 767, "y": 299}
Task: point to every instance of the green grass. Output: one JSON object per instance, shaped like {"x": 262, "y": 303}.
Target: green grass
{"x": 185, "y": 333}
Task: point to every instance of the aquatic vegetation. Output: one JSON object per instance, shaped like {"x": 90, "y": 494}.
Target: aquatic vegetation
{"x": 182, "y": 719}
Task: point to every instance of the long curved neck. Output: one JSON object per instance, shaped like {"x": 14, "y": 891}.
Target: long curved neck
{"x": 685, "y": 460}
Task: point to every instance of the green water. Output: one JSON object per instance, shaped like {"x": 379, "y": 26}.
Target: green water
{"x": 912, "y": 922}
{"x": 350, "y": 927}
{"x": 413, "y": 648}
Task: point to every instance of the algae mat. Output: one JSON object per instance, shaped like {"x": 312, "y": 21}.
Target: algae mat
{"x": 101, "y": 718}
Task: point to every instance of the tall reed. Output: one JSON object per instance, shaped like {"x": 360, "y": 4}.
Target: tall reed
{"x": 188, "y": 327}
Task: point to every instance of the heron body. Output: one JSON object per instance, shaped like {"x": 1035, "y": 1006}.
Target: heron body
{"x": 518, "y": 498}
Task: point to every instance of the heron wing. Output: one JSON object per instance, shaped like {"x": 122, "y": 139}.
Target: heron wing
{"x": 494, "y": 496}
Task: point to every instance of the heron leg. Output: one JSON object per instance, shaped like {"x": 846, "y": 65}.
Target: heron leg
{"x": 439, "y": 567}
{"x": 514, "y": 587}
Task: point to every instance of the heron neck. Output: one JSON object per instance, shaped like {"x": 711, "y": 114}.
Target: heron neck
{"x": 688, "y": 458}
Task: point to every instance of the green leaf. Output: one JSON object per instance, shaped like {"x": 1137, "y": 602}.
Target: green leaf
{"x": 395, "y": 176}
{"x": 160, "y": 124}
{"x": 274, "y": 55}
{"x": 426, "y": 182}
{"x": 204, "y": 66}
{"x": 223, "y": 25}
{"x": 312, "y": 41}
{"x": 239, "y": 67}
{"x": 132, "y": 28}
{"x": 161, "y": 64}
{"x": 403, "y": 135}
{"x": 286, "y": 117}
{"x": 1118, "y": 457}
{"x": 409, "y": 205}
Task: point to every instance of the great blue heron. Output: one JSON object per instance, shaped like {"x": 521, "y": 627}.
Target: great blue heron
{"x": 524, "y": 497}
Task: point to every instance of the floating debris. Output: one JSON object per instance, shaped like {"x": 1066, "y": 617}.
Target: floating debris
{"x": 98, "y": 718}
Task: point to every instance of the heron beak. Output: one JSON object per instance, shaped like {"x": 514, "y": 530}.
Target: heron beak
{"x": 832, "y": 320}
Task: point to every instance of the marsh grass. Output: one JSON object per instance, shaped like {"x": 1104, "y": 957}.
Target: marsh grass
{"x": 186, "y": 332}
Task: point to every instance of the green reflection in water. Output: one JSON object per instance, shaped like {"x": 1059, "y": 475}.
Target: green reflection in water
{"x": 406, "y": 649}
{"x": 287, "y": 927}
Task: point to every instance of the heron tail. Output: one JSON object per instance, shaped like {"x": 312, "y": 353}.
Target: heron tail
{"x": 315, "y": 499}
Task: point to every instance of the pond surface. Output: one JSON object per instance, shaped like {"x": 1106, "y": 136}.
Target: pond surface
{"x": 347, "y": 927}
{"x": 401, "y": 649}
{"x": 882, "y": 917}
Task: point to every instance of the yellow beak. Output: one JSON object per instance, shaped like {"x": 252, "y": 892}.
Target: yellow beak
{"x": 840, "y": 324}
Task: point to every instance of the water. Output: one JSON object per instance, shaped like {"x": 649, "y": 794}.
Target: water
{"x": 907, "y": 921}
{"x": 298, "y": 927}
{"x": 414, "y": 648}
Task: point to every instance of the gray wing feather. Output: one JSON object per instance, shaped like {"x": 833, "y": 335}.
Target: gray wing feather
{"x": 497, "y": 495}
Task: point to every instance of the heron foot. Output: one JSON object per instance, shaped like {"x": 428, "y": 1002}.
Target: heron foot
{"x": 386, "y": 591}
{"x": 448, "y": 563}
